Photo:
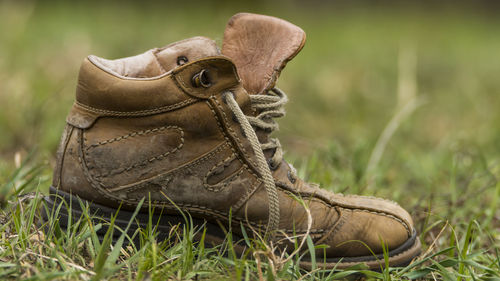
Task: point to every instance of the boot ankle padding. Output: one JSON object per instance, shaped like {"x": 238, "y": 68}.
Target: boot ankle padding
{"x": 156, "y": 62}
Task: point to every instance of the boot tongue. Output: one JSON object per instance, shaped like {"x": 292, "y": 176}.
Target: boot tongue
{"x": 260, "y": 46}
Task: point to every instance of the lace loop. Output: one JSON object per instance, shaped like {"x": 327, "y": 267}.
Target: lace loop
{"x": 269, "y": 106}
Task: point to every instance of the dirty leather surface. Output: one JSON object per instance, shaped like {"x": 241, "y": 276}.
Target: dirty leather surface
{"x": 139, "y": 127}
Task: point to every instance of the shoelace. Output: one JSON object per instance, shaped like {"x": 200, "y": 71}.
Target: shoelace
{"x": 269, "y": 106}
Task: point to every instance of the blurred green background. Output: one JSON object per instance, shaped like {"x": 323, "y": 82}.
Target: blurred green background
{"x": 361, "y": 64}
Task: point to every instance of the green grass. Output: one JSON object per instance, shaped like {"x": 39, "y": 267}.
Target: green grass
{"x": 346, "y": 128}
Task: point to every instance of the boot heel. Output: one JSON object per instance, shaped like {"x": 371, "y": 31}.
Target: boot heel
{"x": 68, "y": 209}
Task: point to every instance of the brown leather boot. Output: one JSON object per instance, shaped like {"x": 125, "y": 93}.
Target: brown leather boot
{"x": 187, "y": 127}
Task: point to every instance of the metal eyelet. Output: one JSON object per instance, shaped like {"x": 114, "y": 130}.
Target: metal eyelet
{"x": 181, "y": 60}
{"x": 202, "y": 79}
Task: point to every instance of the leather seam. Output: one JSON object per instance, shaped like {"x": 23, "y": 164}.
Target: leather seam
{"x": 284, "y": 186}
{"x": 127, "y": 201}
{"x": 205, "y": 210}
{"x": 180, "y": 79}
{"x": 334, "y": 227}
{"x": 211, "y": 155}
{"x": 182, "y": 87}
{"x": 63, "y": 156}
{"x": 251, "y": 190}
{"x": 202, "y": 209}
{"x": 371, "y": 197}
{"x": 208, "y": 156}
{"x": 163, "y": 109}
{"x": 137, "y": 164}
{"x": 218, "y": 186}
{"x": 85, "y": 170}
{"x": 232, "y": 132}
{"x": 383, "y": 214}
{"x": 340, "y": 223}
{"x": 133, "y": 134}
{"x": 226, "y": 181}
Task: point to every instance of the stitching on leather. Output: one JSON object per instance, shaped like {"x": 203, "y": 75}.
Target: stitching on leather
{"x": 226, "y": 181}
{"x": 383, "y": 214}
{"x": 341, "y": 221}
{"x": 202, "y": 209}
{"x": 331, "y": 230}
{"x": 182, "y": 82}
{"x": 138, "y": 164}
{"x": 128, "y": 202}
{"x": 319, "y": 201}
{"x": 233, "y": 133}
{"x": 205, "y": 210}
{"x": 225, "y": 161}
{"x": 371, "y": 197}
{"x": 387, "y": 214}
{"x": 84, "y": 166}
{"x": 238, "y": 205}
{"x": 251, "y": 190}
{"x": 178, "y": 170}
{"x": 138, "y": 133}
{"x": 162, "y": 109}
{"x": 284, "y": 186}
{"x": 218, "y": 187}
{"x": 219, "y": 124}
{"x": 209, "y": 210}
{"x": 182, "y": 87}
{"x": 59, "y": 168}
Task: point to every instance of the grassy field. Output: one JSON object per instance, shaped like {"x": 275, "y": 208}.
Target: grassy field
{"x": 397, "y": 102}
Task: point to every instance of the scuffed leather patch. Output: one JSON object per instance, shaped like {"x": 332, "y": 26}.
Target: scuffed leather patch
{"x": 80, "y": 117}
{"x": 111, "y": 161}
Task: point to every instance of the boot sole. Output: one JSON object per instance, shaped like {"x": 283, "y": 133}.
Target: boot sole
{"x": 163, "y": 224}
{"x": 399, "y": 257}
{"x": 214, "y": 233}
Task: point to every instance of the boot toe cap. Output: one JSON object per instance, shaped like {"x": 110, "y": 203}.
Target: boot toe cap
{"x": 366, "y": 231}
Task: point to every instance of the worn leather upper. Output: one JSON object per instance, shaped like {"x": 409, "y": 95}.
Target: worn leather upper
{"x": 140, "y": 127}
